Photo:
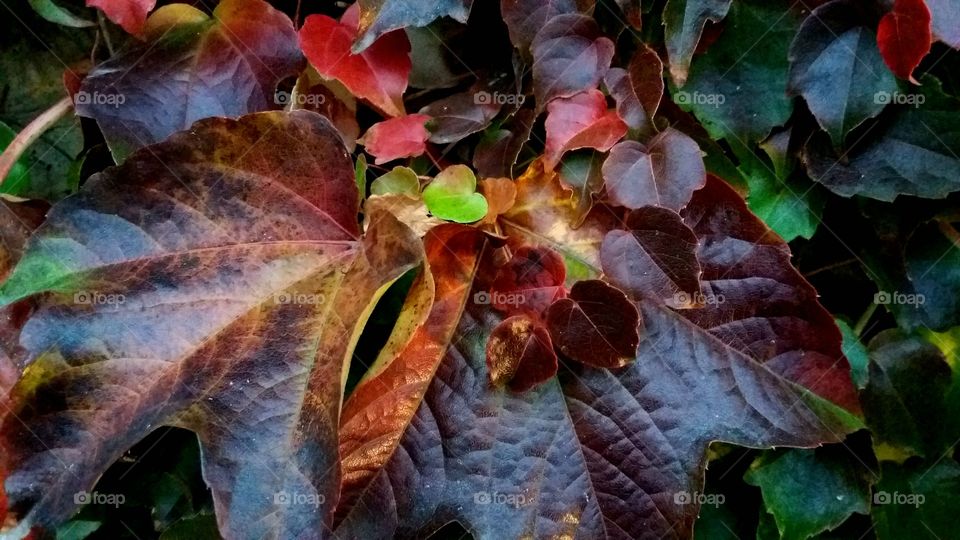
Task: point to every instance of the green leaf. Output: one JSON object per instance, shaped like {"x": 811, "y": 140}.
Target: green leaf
{"x": 452, "y": 195}
{"x": 49, "y": 10}
{"x": 400, "y": 180}
{"x": 810, "y": 491}
{"x": 77, "y": 529}
{"x": 360, "y": 172}
{"x": 917, "y": 501}
{"x": 683, "y": 22}
{"x": 856, "y": 353}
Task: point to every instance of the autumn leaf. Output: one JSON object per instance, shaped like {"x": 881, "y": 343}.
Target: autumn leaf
{"x": 496, "y": 153}
{"x": 531, "y": 281}
{"x": 500, "y": 193}
{"x": 581, "y": 121}
{"x": 638, "y": 88}
{"x": 379, "y": 17}
{"x": 683, "y": 22}
{"x": 216, "y": 279}
{"x": 128, "y": 14}
{"x": 455, "y": 117}
{"x": 395, "y": 138}
{"x": 520, "y": 354}
{"x": 903, "y": 37}
{"x": 524, "y": 18}
{"x": 570, "y": 56}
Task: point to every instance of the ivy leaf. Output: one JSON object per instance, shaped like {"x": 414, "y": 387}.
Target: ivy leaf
{"x": 500, "y": 193}
{"x": 49, "y": 10}
{"x": 496, "y": 153}
{"x": 856, "y": 353}
{"x": 411, "y": 211}
{"x": 520, "y": 354}
{"x": 459, "y": 115}
{"x": 738, "y": 96}
{"x": 811, "y": 491}
{"x": 530, "y": 282}
{"x": 395, "y": 138}
{"x": 379, "y": 17}
{"x": 581, "y": 172}
{"x": 581, "y": 121}
{"x": 596, "y": 325}
{"x": 399, "y": 180}
{"x": 836, "y": 66}
{"x": 637, "y": 89}
{"x": 570, "y": 56}
{"x": 683, "y": 22}
{"x": 128, "y": 14}
{"x": 196, "y": 286}
{"x": 153, "y": 89}
{"x": 914, "y": 152}
{"x": 452, "y": 195}
{"x": 379, "y": 74}
{"x": 945, "y": 21}
{"x": 654, "y": 258}
{"x": 663, "y": 173}
{"x": 904, "y": 37}
{"x": 524, "y": 18}
{"x": 921, "y": 503}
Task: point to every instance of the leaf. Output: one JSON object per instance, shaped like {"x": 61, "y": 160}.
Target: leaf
{"x": 382, "y": 406}
{"x": 500, "y": 193}
{"x": 581, "y": 173}
{"x": 912, "y": 497}
{"x": 596, "y": 325}
{"x": 520, "y": 354}
{"x": 459, "y": 115}
{"x": 399, "y": 180}
{"x": 328, "y": 98}
{"x": 49, "y": 10}
{"x": 216, "y": 279}
{"x": 411, "y": 211}
{"x": 524, "y": 18}
{"x": 654, "y": 258}
{"x": 395, "y": 138}
{"x": 737, "y": 88}
{"x": 914, "y": 152}
{"x": 379, "y": 74}
{"x": 452, "y": 195}
{"x": 811, "y": 491}
{"x": 570, "y": 56}
{"x": 683, "y": 22}
{"x": 637, "y": 89}
{"x": 932, "y": 256}
{"x": 663, "y": 173}
{"x": 379, "y": 17}
{"x": 945, "y": 21}
{"x": 530, "y": 282}
{"x": 496, "y": 153}
{"x": 757, "y": 303}
{"x": 128, "y": 14}
{"x": 151, "y": 90}
{"x": 581, "y": 121}
{"x": 904, "y": 397}
{"x": 856, "y": 353}
{"x": 836, "y": 66}
{"x": 904, "y": 37}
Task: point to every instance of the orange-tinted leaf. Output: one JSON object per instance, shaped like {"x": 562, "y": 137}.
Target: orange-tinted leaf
{"x": 411, "y": 211}
{"x": 520, "y": 354}
{"x": 655, "y": 257}
{"x": 581, "y": 121}
{"x": 215, "y": 282}
{"x": 395, "y": 138}
{"x": 128, "y": 14}
{"x": 500, "y": 193}
{"x": 530, "y": 282}
{"x": 904, "y": 37}
{"x": 570, "y": 56}
{"x": 597, "y": 325}
{"x": 379, "y": 74}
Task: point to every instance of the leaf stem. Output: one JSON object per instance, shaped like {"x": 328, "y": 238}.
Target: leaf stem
{"x": 864, "y": 319}
{"x": 29, "y": 134}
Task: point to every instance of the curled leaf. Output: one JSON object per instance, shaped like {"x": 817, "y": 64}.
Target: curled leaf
{"x": 520, "y": 354}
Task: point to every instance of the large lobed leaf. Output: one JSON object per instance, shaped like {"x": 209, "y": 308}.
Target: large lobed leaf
{"x": 216, "y": 281}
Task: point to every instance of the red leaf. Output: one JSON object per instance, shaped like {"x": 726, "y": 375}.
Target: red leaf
{"x": 520, "y": 354}
{"x": 580, "y": 121}
{"x": 904, "y": 37}
{"x": 396, "y": 138}
{"x": 530, "y": 282}
{"x": 597, "y": 325}
{"x": 379, "y": 74}
{"x": 128, "y": 14}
